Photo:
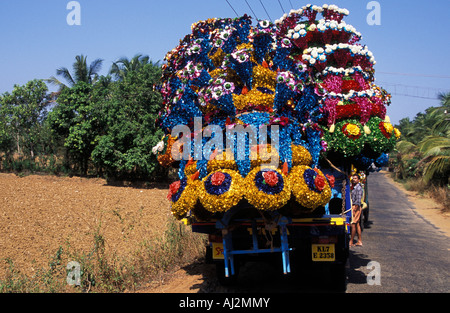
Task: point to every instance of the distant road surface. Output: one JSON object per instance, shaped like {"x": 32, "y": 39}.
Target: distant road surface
{"x": 412, "y": 254}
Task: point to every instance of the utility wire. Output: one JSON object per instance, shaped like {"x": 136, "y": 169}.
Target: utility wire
{"x": 252, "y": 10}
{"x": 412, "y": 74}
{"x": 232, "y": 8}
{"x": 412, "y": 91}
{"x": 281, "y": 6}
{"x": 292, "y": 7}
{"x": 265, "y": 10}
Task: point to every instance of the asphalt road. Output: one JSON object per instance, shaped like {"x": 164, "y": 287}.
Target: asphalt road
{"x": 401, "y": 253}
{"x": 411, "y": 254}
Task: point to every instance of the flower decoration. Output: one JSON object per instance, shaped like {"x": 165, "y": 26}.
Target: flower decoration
{"x": 219, "y": 191}
{"x": 381, "y": 139}
{"x": 225, "y": 161}
{"x": 309, "y": 187}
{"x": 300, "y": 155}
{"x": 351, "y": 130}
{"x": 267, "y": 188}
{"x": 305, "y": 75}
{"x": 348, "y": 138}
{"x": 397, "y": 133}
{"x": 183, "y": 197}
{"x": 164, "y": 150}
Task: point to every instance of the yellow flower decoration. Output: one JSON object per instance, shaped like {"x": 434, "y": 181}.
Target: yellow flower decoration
{"x": 397, "y": 133}
{"x": 253, "y": 97}
{"x": 187, "y": 200}
{"x": 219, "y": 191}
{"x": 300, "y": 155}
{"x": 308, "y": 192}
{"x": 353, "y": 129}
{"x": 267, "y": 188}
{"x": 388, "y": 127}
{"x": 217, "y": 57}
{"x": 264, "y": 77}
{"x": 225, "y": 163}
{"x": 261, "y": 154}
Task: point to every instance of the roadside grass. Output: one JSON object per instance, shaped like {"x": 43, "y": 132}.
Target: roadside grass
{"x": 439, "y": 194}
{"x": 100, "y": 271}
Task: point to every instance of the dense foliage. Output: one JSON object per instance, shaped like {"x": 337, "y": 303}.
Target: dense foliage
{"x": 94, "y": 125}
{"x": 424, "y": 151}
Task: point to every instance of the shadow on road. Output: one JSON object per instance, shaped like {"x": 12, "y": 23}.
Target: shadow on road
{"x": 357, "y": 260}
{"x": 263, "y": 277}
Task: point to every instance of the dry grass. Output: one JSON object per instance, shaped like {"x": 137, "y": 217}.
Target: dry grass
{"x": 439, "y": 194}
{"x": 122, "y": 237}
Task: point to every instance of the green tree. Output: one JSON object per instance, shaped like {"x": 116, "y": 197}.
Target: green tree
{"x": 123, "y": 66}
{"x": 78, "y": 120}
{"x": 23, "y": 115}
{"x": 130, "y": 111}
{"x": 425, "y": 147}
{"x": 6, "y": 138}
{"x": 81, "y": 73}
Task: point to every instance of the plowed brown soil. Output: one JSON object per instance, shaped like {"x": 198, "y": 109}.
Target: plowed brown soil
{"x": 39, "y": 214}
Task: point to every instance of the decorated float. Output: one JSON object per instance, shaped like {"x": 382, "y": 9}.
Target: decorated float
{"x": 303, "y": 86}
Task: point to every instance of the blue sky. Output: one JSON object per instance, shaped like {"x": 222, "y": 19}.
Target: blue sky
{"x": 411, "y": 45}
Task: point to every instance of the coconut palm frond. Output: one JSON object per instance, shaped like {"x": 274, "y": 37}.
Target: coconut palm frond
{"x": 436, "y": 165}
{"x": 434, "y": 145}
{"x": 64, "y": 73}
{"x": 406, "y": 147}
{"x": 94, "y": 68}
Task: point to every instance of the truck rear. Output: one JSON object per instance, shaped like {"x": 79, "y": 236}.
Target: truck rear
{"x": 294, "y": 241}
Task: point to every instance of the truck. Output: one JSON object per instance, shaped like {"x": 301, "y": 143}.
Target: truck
{"x": 318, "y": 239}
{"x": 309, "y": 81}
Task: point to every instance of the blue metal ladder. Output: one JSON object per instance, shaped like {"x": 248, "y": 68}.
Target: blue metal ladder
{"x": 229, "y": 252}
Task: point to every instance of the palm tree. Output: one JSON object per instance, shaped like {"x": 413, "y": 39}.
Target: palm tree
{"x": 441, "y": 115}
{"x": 81, "y": 72}
{"x": 425, "y": 144}
{"x": 123, "y": 66}
{"x": 436, "y": 152}
{"x": 436, "y": 146}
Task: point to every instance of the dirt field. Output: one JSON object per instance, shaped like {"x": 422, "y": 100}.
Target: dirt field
{"x": 38, "y": 214}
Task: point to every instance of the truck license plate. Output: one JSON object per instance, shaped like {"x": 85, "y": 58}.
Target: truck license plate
{"x": 323, "y": 252}
{"x": 217, "y": 251}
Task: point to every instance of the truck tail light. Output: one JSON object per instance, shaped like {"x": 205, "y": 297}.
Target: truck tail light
{"x": 324, "y": 239}
{"x": 214, "y": 238}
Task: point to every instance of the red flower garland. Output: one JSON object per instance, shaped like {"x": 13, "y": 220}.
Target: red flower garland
{"x": 271, "y": 178}
{"x": 383, "y": 130}
{"x": 331, "y": 180}
{"x": 319, "y": 182}
{"x": 173, "y": 188}
{"x": 217, "y": 178}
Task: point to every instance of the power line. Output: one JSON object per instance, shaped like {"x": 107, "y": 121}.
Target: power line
{"x": 251, "y": 10}
{"x": 265, "y": 10}
{"x": 412, "y": 91}
{"x": 412, "y": 96}
{"x": 232, "y": 8}
{"x": 413, "y": 74}
{"x": 292, "y": 7}
{"x": 281, "y": 6}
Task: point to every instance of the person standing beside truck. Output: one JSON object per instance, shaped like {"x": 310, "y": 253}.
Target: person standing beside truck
{"x": 356, "y": 196}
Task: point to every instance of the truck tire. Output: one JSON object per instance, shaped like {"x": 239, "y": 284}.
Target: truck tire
{"x": 338, "y": 277}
